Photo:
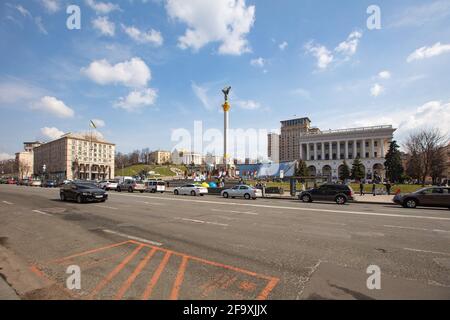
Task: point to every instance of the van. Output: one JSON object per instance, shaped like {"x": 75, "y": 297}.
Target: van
{"x": 154, "y": 186}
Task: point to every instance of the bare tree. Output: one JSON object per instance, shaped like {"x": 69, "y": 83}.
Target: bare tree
{"x": 424, "y": 146}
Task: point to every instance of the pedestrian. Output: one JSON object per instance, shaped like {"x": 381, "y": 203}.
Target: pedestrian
{"x": 388, "y": 187}
{"x": 361, "y": 188}
{"x": 374, "y": 189}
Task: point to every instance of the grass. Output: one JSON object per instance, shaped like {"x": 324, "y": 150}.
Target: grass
{"x": 160, "y": 170}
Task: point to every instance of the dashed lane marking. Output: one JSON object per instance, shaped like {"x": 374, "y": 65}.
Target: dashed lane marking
{"x": 240, "y": 212}
{"x": 427, "y": 251}
{"x": 105, "y": 207}
{"x": 203, "y": 222}
{"x": 154, "y": 243}
{"x": 416, "y": 229}
{"x": 43, "y": 213}
{"x": 8, "y": 203}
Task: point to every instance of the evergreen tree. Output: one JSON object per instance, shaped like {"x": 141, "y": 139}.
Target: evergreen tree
{"x": 393, "y": 163}
{"x": 344, "y": 174}
{"x": 357, "y": 169}
{"x": 302, "y": 169}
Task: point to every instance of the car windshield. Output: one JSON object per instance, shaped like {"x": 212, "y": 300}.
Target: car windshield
{"x": 86, "y": 186}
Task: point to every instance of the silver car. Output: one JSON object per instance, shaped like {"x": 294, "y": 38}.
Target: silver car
{"x": 247, "y": 192}
{"x": 190, "y": 189}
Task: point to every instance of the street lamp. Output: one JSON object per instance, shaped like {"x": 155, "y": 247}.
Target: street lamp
{"x": 226, "y": 110}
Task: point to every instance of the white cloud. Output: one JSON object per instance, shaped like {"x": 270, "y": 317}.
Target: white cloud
{"x": 321, "y": 53}
{"x": 51, "y": 6}
{"x": 259, "y": 62}
{"x": 348, "y": 47}
{"x": 429, "y": 52}
{"x": 6, "y": 156}
{"x": 376, "y": 90}
{"x": 132, "y": 73}
{"x": 422, "y": 14}
{"x": 137, "y": 99}
{"x": 104, "y": 26}
{"x": 53, "y": 106}
{"x": 384, "y": 75}
{"x": 201, "y": 93}
{"x": 102, "y": 7}
{"x": 40, "y": 25}
{"x": 52, "y": 133}
{"x": 16, "y": 92}
{"x": 23, "y": 11}
{"x": 152, "y": 36}
{"x": 248, "y": 104}
{"x": 283, "y": 45}
{"x": 99, "y": 123}
{"x": 224, "y": 21}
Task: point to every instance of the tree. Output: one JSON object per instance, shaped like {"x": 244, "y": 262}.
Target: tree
{"x": 344, "y": 174}
{"x": 438, "y": 166}
{"x": 302, "y": 169}
{"x": 413, "y": 166}
{"x": 357, "y": 169}
{"x": 393, "y": 163}
{"x": 424, "y": 145}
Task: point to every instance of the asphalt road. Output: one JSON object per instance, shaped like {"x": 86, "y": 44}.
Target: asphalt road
{"x": 145, "y": 246}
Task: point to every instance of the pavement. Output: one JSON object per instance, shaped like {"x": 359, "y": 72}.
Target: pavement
{"x": 160, "y": 246}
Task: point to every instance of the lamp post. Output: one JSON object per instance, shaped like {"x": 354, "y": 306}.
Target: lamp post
{"x": 226, "y": 110}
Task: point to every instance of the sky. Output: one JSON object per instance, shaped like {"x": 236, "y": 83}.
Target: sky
{"x": 141, "y": 69}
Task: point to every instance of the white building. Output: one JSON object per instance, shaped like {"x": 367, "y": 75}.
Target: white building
{"x": 186, "y": 158}
{"x": 273, "y": 147}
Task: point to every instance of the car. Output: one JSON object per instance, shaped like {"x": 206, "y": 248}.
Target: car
{"x": 108, "y": 185}
{"x": 82, "y": 192}
{"x": 339, "y": 193}
{"x": 49, "y": 184}
{"x": 35, "y": 183}
{"x": 248, "y": 192}
{"x": 23, "y": 182}
{"x": 11, "y": 181}
{"x": 154, "y": 186}
{"x": 426, "y": 197}
{"x": 131, "y": 186}
{"x": 190, "y": 189}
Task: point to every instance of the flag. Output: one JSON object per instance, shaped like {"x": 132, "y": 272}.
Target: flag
{"x": 93, "y": 125}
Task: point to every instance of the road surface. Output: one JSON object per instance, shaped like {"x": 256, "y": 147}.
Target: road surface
{"x": 146, "y": 246}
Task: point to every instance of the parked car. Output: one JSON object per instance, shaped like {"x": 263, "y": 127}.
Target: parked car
{"x": 154, "y": 186}
{"x": 131, "y": 186}
{"x": 191, "y": 189}
{"x": 339, "y": 193}
{"x": 82, "y": 192}
{"x": 11, "y": 181}
{"x": 426, "y": 197}
{"x": 247, "y": 192}
{"x": 49, "y": 184}
{"x": 108, "y": 185}
{"x": 35, "y": 183}
{"x": 23, "y": 182}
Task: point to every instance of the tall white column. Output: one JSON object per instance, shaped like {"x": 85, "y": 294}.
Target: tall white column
{"x": 315, "y": 151}
{"x": 226, "y": 120}
{"x": 323, "y": 151}
{"x": 382, "y": 148}
{"x": 346, "y": 150}
{"x": 301, "y": 151}
{"x": 363, "y": 147}
{"x": 355, "y": 149}
{"x": 372, "y": 152}
{"x": 307, "y": 152}
{"x": 339, "y": 150}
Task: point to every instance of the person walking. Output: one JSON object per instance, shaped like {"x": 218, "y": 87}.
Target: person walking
{"x": 361, "y": 188}
{"x": 374, "y": 189}
{"x": 388, "y": 188}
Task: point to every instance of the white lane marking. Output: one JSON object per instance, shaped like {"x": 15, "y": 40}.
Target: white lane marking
{"x": 105, "y": 207}
{"x": 8, "y": 203}
{"x": 426, "y": 251}
{"x": 151, "y": 203}
{"x": 43, "y": 213}
{"x": 154, "y": 243}
{"x": 297, "y": 208}
{"x": 203, "y": 222}
{"x": 416, "y": 229}
{"x": 241, "y": 212}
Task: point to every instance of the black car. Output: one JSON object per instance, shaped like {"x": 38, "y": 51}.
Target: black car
{"x": 426, "y": 197}
{"x": 82, "y": 192}
{"x": 338, "y": 193}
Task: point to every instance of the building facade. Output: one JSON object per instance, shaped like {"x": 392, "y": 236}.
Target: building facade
{"x": 186, "y": 158}
{"x": 273, "y": 147}
{"x": 325, "y": 151}
{"x": 160, "y": 157}
{"x": 25, "y": 160}
{"x": 75, "y": 157}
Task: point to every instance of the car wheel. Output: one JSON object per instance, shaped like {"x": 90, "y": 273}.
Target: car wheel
{"x": 340, "y": 200}
{"x": 193, "y": 193}
{"x": 103, "y": 200}
{"x": 142, "y": 191}
{"x": 306, "y": 198}
{"x": 130, "y": 190}
{"x": 410, "y": 203}
{"x": 226, "y": 195}
{"x": 247, "y": 196}
{"x": 79, "y": 199}
{"x": 62, "y": 197}
{"x": 176, "y": 192}
{"x": 118, "y": 189}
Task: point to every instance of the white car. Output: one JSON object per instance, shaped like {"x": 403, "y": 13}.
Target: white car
{"x": 154, "y": 186}
{"x": 247, "y": 192}
{"x": 191, "y": 189}
{"x": 108, "y": 184}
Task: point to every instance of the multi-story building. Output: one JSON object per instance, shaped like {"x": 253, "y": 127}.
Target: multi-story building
{"x": 24, "y": 160}
{"x": 273, "y": 147}
{"x": 160, "y": 157}
{"x": 75, "y": 156}
{"x": 186, "y": 158}
{"x": 325, "y": 151}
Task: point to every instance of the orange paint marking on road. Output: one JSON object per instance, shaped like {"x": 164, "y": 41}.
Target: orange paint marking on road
{"x": 127, "y": 284}
{"x": 148, "y": 291}
{"x": 179, "y": 279}
{"x": 266, "y": 291}
{"x": 59, "y": 261}
{"x": 247, "y": 286}
{"x": 113, "y": 273}
{"x": 35, "y": 269}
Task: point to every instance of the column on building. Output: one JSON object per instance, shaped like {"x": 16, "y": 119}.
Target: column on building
{"x": 323, "y": 150}
{"x": 315, "y": 151}
{"x": 301, "y": 151}
{"x": 372, "y": 155}
{"x": 338, "y": 150}
{"x": 363, "y": 149}
{"x": 355, "y": 149}
{"x": 382, "y": 148}
{"x": 346, "y": 150}
{"x": 307, "y": 152}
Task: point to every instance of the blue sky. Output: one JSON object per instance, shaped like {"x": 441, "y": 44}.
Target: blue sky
{"x": 143, "y": 68}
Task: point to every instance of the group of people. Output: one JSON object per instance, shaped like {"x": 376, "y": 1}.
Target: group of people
{"x": 387, "y": 185}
